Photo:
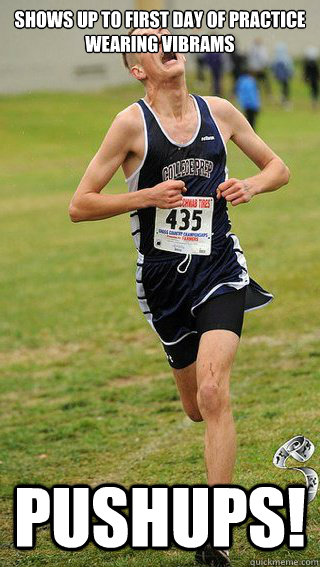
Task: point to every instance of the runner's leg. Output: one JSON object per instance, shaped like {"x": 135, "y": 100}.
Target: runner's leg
{"x": 216, "y": 354}
{"x": 186, "y": 380}
{"x": 204, "y": 392}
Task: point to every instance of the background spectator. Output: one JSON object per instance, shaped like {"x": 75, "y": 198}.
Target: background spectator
{"x": 215, "y": 64}
{"x": 258, "y": 63}
{"x": 247, "y": 92}
{"x": 200, "y": 64}
{"x": 311, "y": 73}
{"x": 238, "y": 63}
{"x": 282, "y": 67}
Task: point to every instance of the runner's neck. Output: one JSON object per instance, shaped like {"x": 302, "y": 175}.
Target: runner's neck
{"x": 170, "y": 100}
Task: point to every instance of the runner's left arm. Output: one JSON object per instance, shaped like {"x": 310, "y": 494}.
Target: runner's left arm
{"x": 273, "y": 172}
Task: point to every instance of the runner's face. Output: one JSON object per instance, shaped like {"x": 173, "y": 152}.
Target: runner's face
{"x": 160, "y": 65}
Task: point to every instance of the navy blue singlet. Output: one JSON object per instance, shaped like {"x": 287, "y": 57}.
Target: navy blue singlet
{"x": 171, "y": 286}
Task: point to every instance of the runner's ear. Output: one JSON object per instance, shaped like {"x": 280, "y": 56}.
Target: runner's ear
{"x": 138, "y": 72}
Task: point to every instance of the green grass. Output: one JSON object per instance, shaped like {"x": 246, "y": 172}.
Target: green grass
{"x": 86, "y": 393}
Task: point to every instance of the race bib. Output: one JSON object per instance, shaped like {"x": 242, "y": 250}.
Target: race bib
{"x": 187, "y": 229}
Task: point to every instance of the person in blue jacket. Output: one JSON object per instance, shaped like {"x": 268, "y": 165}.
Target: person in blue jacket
{"x": 247, "y": 92}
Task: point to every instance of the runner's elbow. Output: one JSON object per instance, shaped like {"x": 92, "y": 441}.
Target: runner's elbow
{"x": 282, "y": 172}
{"x": 286, "y": 173}
{"x": 75, "y": 213}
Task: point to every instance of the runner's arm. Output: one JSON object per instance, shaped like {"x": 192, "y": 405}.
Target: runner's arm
{"x": 88, "y": 203}
{"x": 274, "y": 173}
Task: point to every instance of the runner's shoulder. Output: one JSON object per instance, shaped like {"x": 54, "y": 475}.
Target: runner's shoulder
{"x": 228, "y": 117}
{"x": 129, "y": 120}
{"x": 220, "y": 107}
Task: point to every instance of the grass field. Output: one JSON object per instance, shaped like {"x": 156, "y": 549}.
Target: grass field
{"x": 86, "y": 393}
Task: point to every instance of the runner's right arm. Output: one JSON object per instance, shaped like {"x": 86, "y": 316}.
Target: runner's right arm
{"x": 88, "y": 203}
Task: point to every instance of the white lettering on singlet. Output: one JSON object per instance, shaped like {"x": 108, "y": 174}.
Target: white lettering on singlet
{"x": 192, "y": 166}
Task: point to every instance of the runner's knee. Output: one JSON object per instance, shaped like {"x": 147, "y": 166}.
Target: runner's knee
{"x": 213, "y": 396}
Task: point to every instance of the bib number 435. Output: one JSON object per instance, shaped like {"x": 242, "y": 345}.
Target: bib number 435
{"x": 185, "y": 230}
{"x": 186, "y": 219}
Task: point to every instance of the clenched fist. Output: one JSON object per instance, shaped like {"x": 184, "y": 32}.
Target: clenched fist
{"x": 166, "y": 195}
{"x": 235, "y": 191}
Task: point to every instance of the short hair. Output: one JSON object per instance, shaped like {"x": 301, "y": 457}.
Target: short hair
{"x": 124, "y": 55}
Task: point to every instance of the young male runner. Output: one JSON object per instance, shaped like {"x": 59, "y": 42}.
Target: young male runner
{"x": 192, "y": 279}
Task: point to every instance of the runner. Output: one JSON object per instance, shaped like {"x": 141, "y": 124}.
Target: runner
{"x": 193, "y": 284}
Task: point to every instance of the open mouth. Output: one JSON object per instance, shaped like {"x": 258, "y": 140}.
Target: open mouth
{"x": 167, "y": 57}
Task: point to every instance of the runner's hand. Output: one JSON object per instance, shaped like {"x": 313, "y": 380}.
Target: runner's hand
{"x": 166, "y": 195}
{"x": 235, "y": 191}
